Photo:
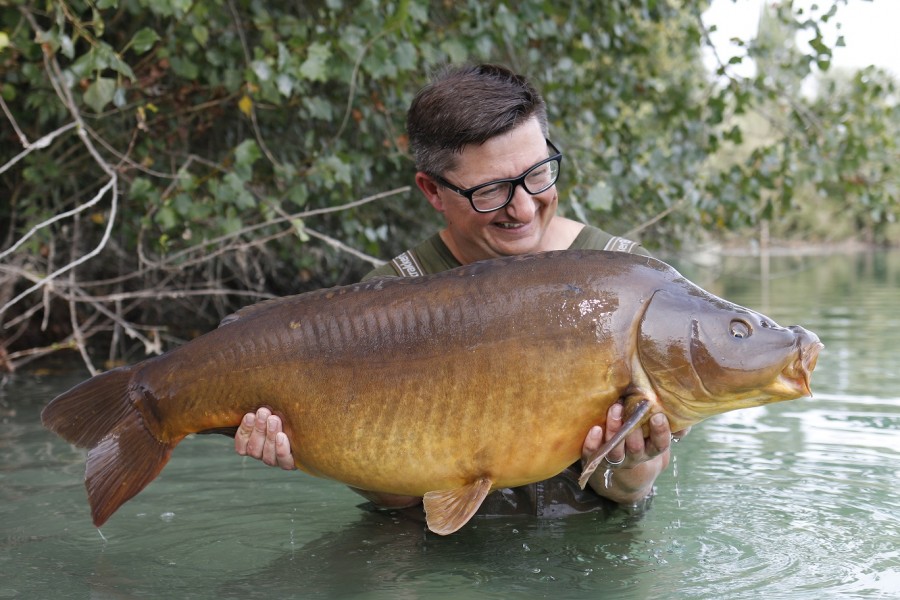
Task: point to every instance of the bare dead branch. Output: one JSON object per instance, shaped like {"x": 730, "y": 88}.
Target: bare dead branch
{"x": 55, "y": 75}
{"x": 111, "y": 185}
{"x": 40, "y": 144}
{"x": 339, "y": 245}
{"x": 177, "y": 256}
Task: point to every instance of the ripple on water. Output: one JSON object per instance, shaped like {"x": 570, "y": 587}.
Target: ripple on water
{"x": 783, "y": 501}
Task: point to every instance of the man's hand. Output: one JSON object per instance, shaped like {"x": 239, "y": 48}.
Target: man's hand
{"x": 260, "y": 436}
{"x": 636, "y": 462}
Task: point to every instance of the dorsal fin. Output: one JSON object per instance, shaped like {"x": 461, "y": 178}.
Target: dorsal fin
{"x": 633, "y": 421}
{"x": 448, "y": 510}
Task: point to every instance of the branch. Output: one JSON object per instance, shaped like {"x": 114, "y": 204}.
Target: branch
{"x": 663, "y": 214}
{"x": 29, "y": 148}
{"x": 288, "y": 218}
{"x": 111, "y": 185}
{"x": 54, "y": 219}
{"x": 56, "y": 78}
{"x": 339, "y": 245}
{"x": 22, "y": 138}
{"x": 240, "y": 29}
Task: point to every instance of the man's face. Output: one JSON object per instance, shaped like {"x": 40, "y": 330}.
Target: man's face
{"x": 520, "y": 226}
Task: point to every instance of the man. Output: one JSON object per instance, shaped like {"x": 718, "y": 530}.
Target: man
{"x": 479, "y": 138}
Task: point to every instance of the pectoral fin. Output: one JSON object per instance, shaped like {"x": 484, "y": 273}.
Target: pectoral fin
{"x": 448, "y": 510}
{"x": 633, "y": 421}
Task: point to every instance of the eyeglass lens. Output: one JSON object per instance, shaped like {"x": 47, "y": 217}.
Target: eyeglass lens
{"x": 495, "y": 195}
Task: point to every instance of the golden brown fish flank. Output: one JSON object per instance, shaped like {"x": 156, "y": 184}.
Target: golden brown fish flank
{"x": 445, "y": 386}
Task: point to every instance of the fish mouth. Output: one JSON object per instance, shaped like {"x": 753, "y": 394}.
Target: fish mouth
{"x": 796, "y": 376}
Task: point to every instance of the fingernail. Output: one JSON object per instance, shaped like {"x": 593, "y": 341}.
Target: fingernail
{"x": 249, "y": 419}
{"x": 658, "y": 419}
{"x": 271, "y": 425}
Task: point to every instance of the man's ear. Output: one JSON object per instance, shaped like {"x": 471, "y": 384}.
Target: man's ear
{"x": 430, "y": 188}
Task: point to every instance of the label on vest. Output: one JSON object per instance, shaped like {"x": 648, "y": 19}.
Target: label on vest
{"x": 407, "y": 265}
{"x": 620, "y": 244}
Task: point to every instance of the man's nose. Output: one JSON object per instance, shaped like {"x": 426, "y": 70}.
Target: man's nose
{"x": 523, "y": 205}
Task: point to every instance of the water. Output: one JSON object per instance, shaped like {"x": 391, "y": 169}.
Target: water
{"x": 794, "y": 500}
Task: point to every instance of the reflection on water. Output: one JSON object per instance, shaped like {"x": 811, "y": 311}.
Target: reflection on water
{"x": 792, "y": 500}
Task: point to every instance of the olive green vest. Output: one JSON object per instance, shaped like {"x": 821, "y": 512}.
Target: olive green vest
{"x": 433, "y": 255}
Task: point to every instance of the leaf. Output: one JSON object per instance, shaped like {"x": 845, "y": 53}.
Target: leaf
{"x": 405, "y": 56}
{"x": 66, "y": 46}
{"x": 119, "y": 98}
{"x": 120, "y": 66}
{"x": 98, "y": 23}
{"x": 285, "y": 84}
{"x": 455, "y": 50}
{"x": 185, "y": 67}
{"x": 300, "y": 230}
{"x": 141, "y": 189}
{"x": 87, "y": 63}
{"x": 245, "y": 104}
{"x": 600, "y": 197}
{"x": 314, "y": 67}
{"x": 8, "y": 91}
{"x": 245, "y": 155}
{"x": 100, "y": 93}
{"x": 231, "y": 225}
{"x": 318, "y": 108}
{"x": 106, "y": 57}
{"x": 201, "y": 34}
{"x": 262, "y": 69}
{"x": 340, "y": 170}
{"x": 239, "y": 196}
{"x": 166, "y": 217}
{"x": 143, "y": 40}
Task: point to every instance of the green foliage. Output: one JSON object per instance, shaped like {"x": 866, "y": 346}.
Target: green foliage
{"x": 812, "y": 162}
{"x": 853, "y": 162}
{"x": 233, "y": 125}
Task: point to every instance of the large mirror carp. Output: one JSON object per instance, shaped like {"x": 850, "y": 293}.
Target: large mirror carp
{"x": 446, "y": 386}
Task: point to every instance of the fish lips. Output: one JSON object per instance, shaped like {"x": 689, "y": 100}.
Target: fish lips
{"x": 796, "y": 376}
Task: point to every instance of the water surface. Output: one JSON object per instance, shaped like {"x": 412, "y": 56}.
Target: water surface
{"x": 794, "y": 500}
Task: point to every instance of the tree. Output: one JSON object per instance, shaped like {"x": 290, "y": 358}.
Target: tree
{"x": 812, "y": 160}
{"x": 168, "y": 161}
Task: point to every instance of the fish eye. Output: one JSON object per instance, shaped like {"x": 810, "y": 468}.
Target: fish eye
{"x": 740, "y": 329}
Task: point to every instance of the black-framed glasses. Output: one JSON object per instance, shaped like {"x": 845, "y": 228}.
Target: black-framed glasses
{"x": 494, "y": 195}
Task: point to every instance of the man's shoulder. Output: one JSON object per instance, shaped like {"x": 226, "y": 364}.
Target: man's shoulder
{"x": 594, "y": 238}
{"x": 429, "y": 256}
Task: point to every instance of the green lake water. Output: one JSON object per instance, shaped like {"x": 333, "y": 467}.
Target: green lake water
{"x": 793, "y": 500}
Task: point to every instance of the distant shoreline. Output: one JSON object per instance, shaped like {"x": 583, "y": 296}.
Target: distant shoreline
{"x": 752, "y": 247}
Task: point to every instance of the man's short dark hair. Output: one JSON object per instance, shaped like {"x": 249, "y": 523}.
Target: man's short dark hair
{"x": 468, "y": 105}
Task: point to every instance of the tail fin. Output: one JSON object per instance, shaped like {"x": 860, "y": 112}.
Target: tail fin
{"x": 103, "y": 415}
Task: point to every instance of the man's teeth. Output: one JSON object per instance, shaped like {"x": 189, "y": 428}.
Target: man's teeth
{"x": 509, "y": 225}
